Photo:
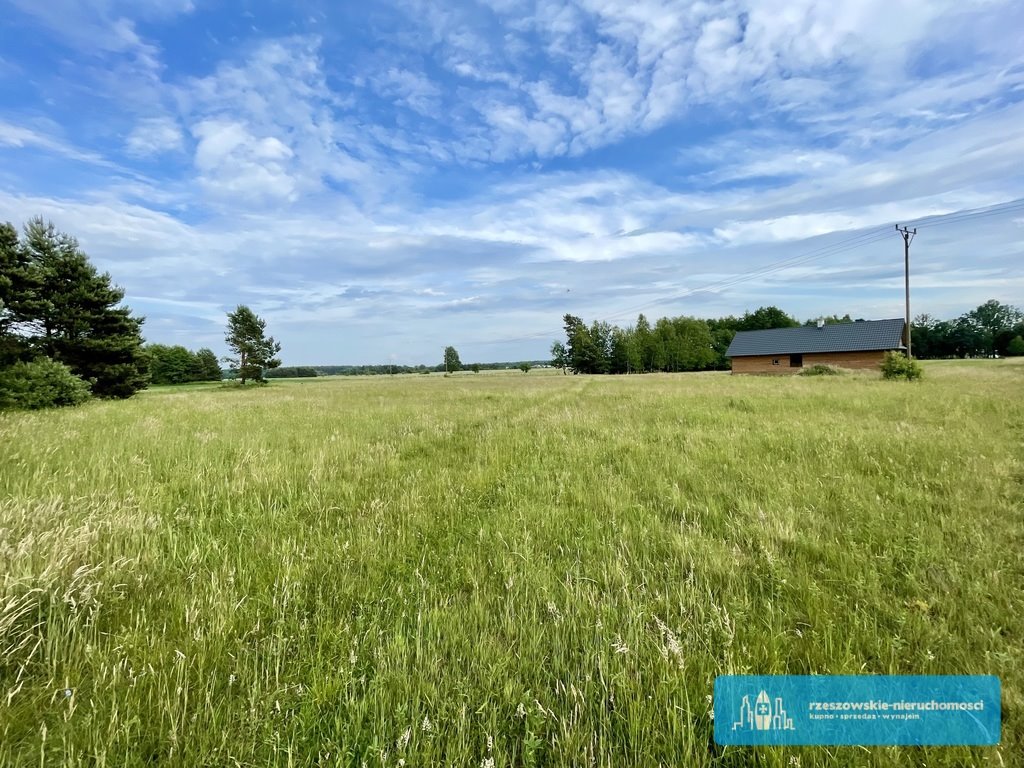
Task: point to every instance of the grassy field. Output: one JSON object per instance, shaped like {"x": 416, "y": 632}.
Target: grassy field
{"x": 501, "y": 570}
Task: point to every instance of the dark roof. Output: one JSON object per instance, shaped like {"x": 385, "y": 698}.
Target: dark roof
{"x": 866, "y": 335}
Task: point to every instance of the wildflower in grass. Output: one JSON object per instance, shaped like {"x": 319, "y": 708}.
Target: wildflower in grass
{"x": 426, "y": 726}
{"x": 794, "y": 760}
{"x": 672, "y": 648}
{"x": 68, "y": 693}
{"x": 520, "y": 710}
{"x": 487, "y": 762}
{"x": 619, "y": 646}
{"x": 403, "y": 740}
{"x": 554, "y": 612}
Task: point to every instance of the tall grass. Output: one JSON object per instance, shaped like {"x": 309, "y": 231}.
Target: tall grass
{"x": 499, "y": 570}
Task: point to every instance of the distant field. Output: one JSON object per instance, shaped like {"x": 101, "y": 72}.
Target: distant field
{"x": 506, "y": 570}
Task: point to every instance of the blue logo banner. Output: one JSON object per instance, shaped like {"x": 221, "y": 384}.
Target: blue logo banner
{"x": 863, "y": 710}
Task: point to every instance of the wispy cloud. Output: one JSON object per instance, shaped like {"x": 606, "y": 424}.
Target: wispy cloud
{"x": 21, "y": 137}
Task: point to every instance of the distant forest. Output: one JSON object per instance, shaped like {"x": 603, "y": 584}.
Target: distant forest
{"x": 305, "y": 371}
{"x": 695, "y": 344}
{"x": 669, "y": 344}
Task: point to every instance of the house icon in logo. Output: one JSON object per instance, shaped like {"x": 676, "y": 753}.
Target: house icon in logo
{"x": 762, "y": 716}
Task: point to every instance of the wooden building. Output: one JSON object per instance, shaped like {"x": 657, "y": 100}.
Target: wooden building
{"x": 788, "y": 350}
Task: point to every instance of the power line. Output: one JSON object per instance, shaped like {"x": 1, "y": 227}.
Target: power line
{"x": 936, "y": 220}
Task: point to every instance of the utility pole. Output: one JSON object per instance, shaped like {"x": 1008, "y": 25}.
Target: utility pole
{"x": 908, "y": 238}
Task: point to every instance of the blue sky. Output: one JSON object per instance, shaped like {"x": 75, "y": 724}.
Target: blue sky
{"x": 381, "y": 179}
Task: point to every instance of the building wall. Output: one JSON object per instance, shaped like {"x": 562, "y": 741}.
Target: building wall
{"x": 763, "y": 363}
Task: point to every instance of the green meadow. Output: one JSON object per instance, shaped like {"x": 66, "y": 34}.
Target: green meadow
{"x": 500, "y": 570}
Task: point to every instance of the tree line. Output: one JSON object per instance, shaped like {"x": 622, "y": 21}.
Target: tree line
{"x": 178, "y": 365}
{"x": 699, "y": 344}
{"x": 309, "y": 371}
{"x": 253, "y": 356}
{"x": 990, "y": 329}
{"x": 66, "y": 336}
{"x": 671, "y": 344}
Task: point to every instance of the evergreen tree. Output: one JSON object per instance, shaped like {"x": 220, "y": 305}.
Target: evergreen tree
{"x": 583, "y": 351}
{"x": 13, "y": 292}
{"x": 254, "y": 352}
{"x": 61, "y": 307}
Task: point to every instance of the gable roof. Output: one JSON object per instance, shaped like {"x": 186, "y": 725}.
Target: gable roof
{"x": 863, "y": 336}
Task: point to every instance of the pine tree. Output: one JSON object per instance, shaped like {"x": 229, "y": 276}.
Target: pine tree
{"x": 253, "y": 351}
{"x": 65, "y": 309}
{"x": 13, "y": 292}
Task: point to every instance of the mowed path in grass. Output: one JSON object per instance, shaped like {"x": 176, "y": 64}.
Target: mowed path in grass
{"x": 525, "y": 569}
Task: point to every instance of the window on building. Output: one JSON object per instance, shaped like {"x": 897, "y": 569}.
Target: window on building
{"x": 775, "y": 361}
{"x": 796, "y": 361}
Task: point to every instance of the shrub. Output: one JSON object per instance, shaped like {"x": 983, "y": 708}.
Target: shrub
{"x": 896, "y": 365}
{"x": 1016, "y": 347}
{"x": 821, "y": 370}
{"x": 42, "y": 383}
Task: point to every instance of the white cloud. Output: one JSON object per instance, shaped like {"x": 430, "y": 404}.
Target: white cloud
{"x": 234, "y": 163}
{"x": 155, "y": 136}
{"x": 411, "y": 89}
{"x": 284, "y": 137}
{"x": 655, "y": 61}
